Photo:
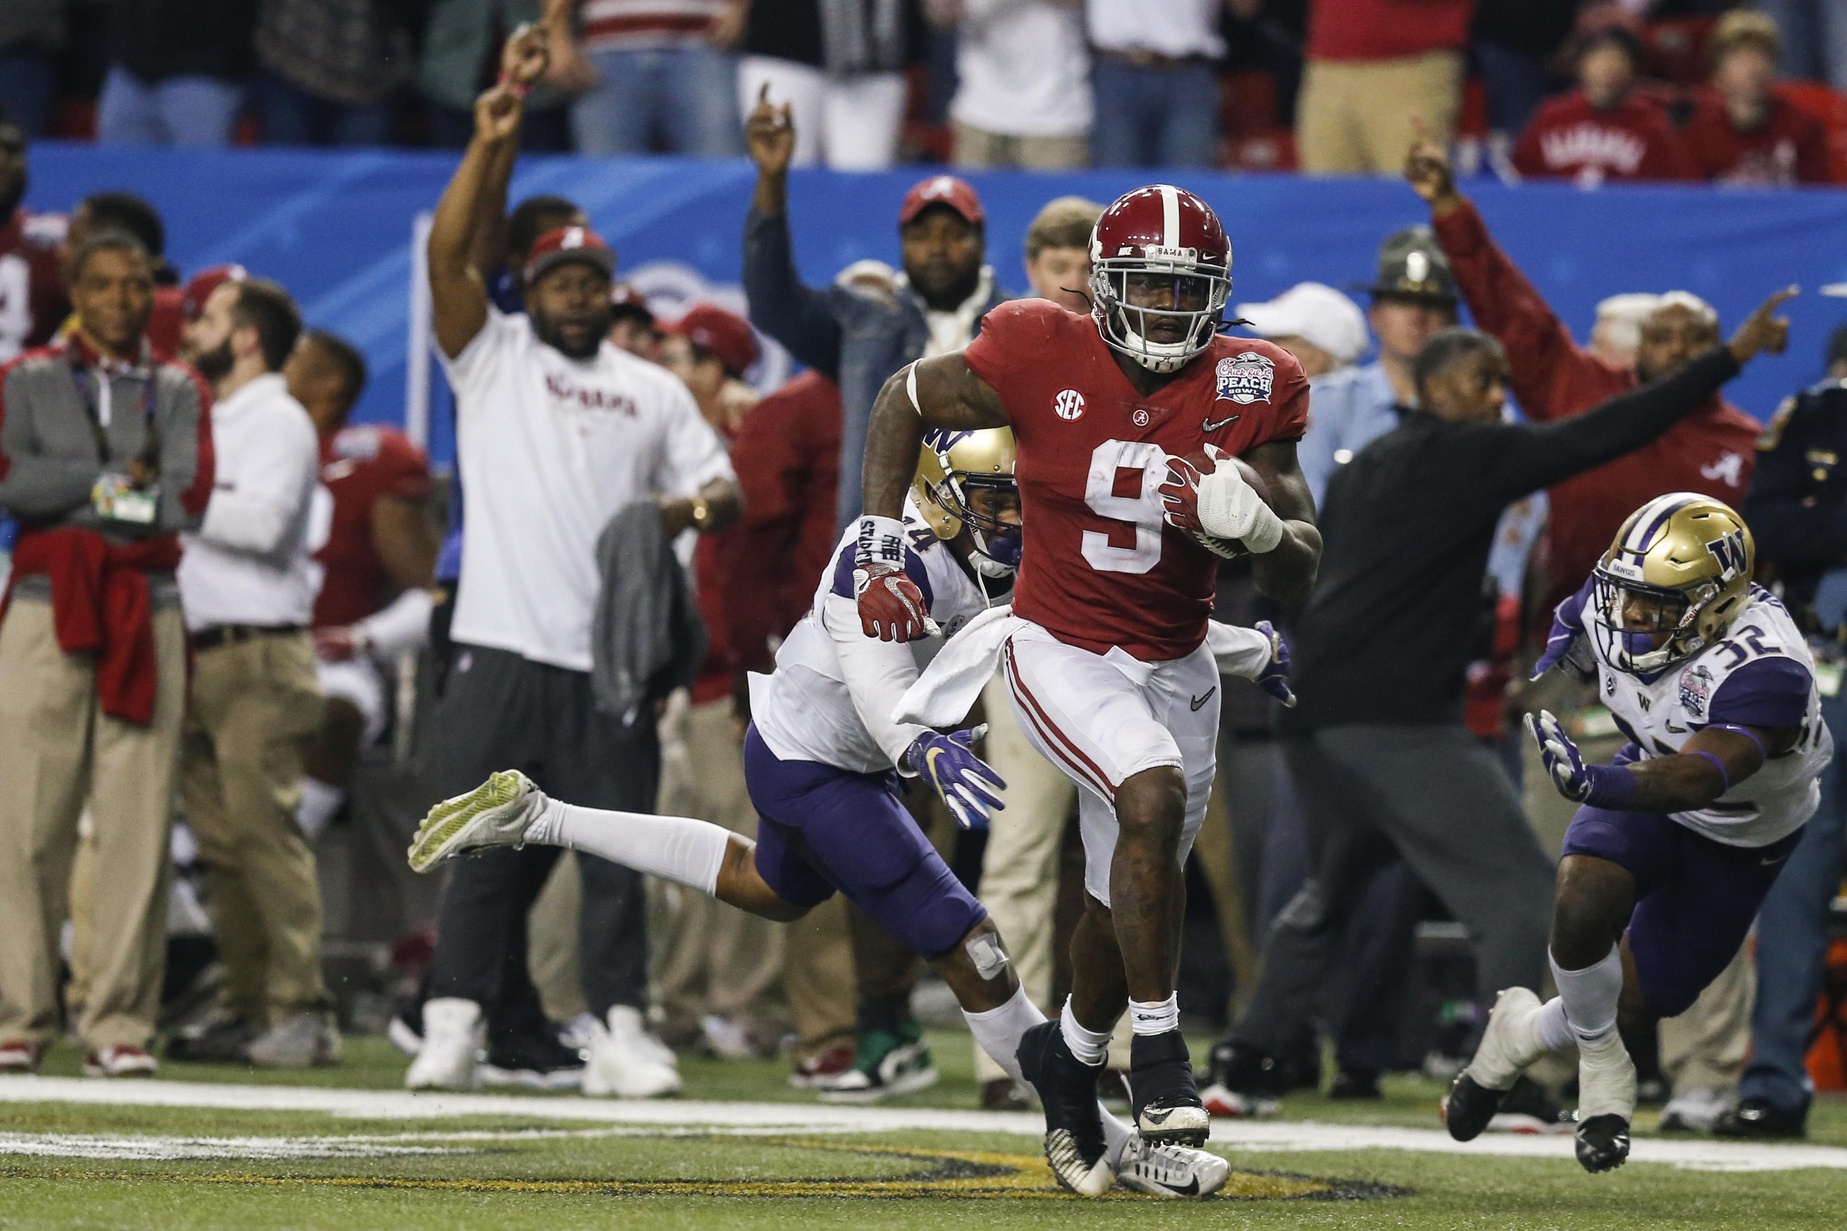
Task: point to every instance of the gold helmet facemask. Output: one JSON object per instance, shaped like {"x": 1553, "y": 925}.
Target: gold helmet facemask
{"x": 951, "y": 468}
{"x": 1680, "y": 566}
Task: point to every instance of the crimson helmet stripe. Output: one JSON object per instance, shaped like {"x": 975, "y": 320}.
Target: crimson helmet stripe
{"x": 1170, "y": 216}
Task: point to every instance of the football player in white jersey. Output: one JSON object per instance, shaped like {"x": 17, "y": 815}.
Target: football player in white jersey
{"x": 822, "y": 760}
{"x": 1679, "y": 840}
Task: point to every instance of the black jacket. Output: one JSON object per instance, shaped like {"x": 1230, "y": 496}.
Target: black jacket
{"x": 1797, "y": 505}
{"x": 157, "y": 39}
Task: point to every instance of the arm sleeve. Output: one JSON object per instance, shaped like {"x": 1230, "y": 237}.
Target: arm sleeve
{"x": 877, "y": 674}
{"x": 1788, "y": 528}
{"x": 256, "y": 516}
{"x": 694, "y": 454}
{"x": 1541, "y": 357}
{"x": 33, "y": 486}
{"x": 1768, "y": 693}
{"x": 188, "y": 461}
{"x": 796, "y": 315}
{"x": 1517, "y": 458}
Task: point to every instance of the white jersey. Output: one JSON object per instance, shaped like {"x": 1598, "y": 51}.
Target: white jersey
{"x": 1661, "y": 715}
{"x": 832, "y": 696}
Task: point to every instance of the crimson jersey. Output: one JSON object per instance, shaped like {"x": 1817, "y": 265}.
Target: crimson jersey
{"x": 358, "y": 466}
{"x": 1100, "y": 568}
{"x": 31, "y": 281}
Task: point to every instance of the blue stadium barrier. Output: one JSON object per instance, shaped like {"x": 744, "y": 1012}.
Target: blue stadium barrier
{"x": 335, "y": 228}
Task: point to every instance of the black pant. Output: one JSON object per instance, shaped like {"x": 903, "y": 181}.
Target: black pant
{"x": 502, "y": 711}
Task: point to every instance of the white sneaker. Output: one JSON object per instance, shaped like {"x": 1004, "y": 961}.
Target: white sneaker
{"x": 496, "y": 813}
{"x": 1693, "y": 1111}
{"x": 1510, "y": 1045}
{"x": 452, "y": 1037}
{"x": 625, "y": 1060}
{"x": 1169, "y": 1170}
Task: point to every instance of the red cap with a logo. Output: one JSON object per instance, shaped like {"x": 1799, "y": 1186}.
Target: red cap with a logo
{"x": 562, "y": 245}
{"x": 204, "y": 283}
{"x": 726, "y": 335}
{"x": 949, "y": 190}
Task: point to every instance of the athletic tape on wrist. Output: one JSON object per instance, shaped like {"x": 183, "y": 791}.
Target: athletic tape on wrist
{"x": 881, "y": 541}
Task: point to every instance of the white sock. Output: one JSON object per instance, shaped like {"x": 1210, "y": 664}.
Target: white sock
{"x": 675, "y": 848}
{"x": 1554, "y": 1031}
{"x": 999, "y": 1031}
{"x": 1157, "y": 1017}
{"x": 1589, "y": 995}
{"x": 319, "y": 802}
{"x": 1089, "y": 1046}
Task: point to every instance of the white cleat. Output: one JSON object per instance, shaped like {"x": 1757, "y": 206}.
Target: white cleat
{"x": 496, "y": 813}
{"x": 1168, "y": 1170}
{"x": 1510, "y": 1045}
{"x": 1694, "y": 1111}
{"x": 1606, "y": 1102}
{"x": 452, "y": 1037}
{"x": 1069, "y": 1168}
{"x": 626, "y": 1061}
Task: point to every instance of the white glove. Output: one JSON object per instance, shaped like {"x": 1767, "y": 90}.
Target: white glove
{"x": 1230, "y": 508}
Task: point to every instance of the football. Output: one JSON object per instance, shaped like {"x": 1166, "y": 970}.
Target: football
{"x": 1207, "y": 459}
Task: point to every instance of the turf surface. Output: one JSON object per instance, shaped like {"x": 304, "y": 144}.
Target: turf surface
{"x": 175, "y": 1169}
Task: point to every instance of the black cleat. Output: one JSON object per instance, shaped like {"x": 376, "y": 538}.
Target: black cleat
{"x": 1754, "y": 1119}
{"x": 1067, "y": 1088}
{"x": 1603, "y": 1143}
{"x": 1351, "y": 1085}
{"x": 1469, "y": 1107}
{"x": 1166, "y": 1102}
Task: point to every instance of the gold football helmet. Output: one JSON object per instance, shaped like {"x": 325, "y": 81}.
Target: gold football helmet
{"x": 956, "y": 472}
{"x": 1671, "y": 584}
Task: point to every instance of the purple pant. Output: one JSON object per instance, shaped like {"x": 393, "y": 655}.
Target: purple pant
{"x": 821, "y": 828}
{"x": 1694, "y": 898}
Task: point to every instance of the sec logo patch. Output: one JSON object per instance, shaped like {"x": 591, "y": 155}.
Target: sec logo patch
{"x": 1245, "y": 378}
{"x": 1068, "y": 405}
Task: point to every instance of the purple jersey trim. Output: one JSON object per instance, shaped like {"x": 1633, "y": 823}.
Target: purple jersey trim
{"x": 844, "y": 565}
{"x": 1766, "y": 693}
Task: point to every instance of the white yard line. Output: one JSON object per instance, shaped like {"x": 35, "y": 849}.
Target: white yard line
{"x": 671, "y": 1116}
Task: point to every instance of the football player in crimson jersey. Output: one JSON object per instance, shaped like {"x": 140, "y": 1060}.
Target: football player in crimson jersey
{"x": 380, "y": 542}
{"x": 31, "y": 275}
{"x": 1107, "y": 667}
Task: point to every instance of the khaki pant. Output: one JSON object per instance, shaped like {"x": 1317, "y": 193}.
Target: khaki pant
{"x": 57, "y": 750}
{"x": 255, "y": 705}
{"x": 1363, "y": 116}
{"x": 977, "y": 148}
{"x": 1705, "y": 1047}
{"x": 710, "y": 958}
{"x": 1019, "y": 868}
{"x": 552, "y": 953}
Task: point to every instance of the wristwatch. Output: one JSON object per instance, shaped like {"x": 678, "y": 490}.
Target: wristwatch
{"x": 702, "y": 513}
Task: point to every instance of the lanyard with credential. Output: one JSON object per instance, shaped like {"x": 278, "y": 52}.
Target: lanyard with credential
{"x": 90, "y": 389}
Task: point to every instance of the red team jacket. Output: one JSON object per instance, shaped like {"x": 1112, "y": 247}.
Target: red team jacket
{"x": 1100, "y": 568}
{"x": 1567, "y": 138}
{"x": 1386, "y": 29}
{"x": 1711, "y": 452}
{"x": 359, "y": 465}
{"x": 1789, "y": 147}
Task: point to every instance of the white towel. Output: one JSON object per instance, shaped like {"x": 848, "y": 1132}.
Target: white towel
{"x": 946, "y": 691}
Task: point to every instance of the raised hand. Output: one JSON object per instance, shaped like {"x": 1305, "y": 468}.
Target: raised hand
{"x": 1561, "y": 757}
{"x": 1426, "y": 169}
{"x": 497, "y": 113}
{"x": 967, "y": 784}
{"x": 769, "y": 135}
{"x": 524, "y": 58}
{"x": 1764, "y": 330}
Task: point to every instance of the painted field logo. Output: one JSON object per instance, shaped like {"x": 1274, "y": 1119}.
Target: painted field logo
{"x": 1246, "y": 378}
{"x": 1068, "y": 405}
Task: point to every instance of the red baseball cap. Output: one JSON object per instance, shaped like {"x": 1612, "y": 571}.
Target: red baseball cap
{"x": 625, "y": 298}
{"x": 949, "y": 190}
{"x": 204, "y": 283}
{"x": 726, "y": 334}
{"x": 562, "y": 245}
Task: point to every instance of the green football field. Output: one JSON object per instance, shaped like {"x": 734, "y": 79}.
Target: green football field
{"x": 347, "y": 1148}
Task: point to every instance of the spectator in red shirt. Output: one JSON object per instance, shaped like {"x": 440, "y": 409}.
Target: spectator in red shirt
{"x": 1379, "y": 73}
{"x": 31, "y": 278}
{"x": 715, "y": 967}
{"x": 1742, "y": 131}
{"x": 1552, "y": 378}
{"x": 1607, "y": 128}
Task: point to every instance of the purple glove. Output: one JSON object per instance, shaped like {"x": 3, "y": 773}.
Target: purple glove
{"x": 1274, "y": 678}
{"x": 1600, "y": 786}
{"x": 1567, "y": 628}
{"x": 966, "y": 782}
